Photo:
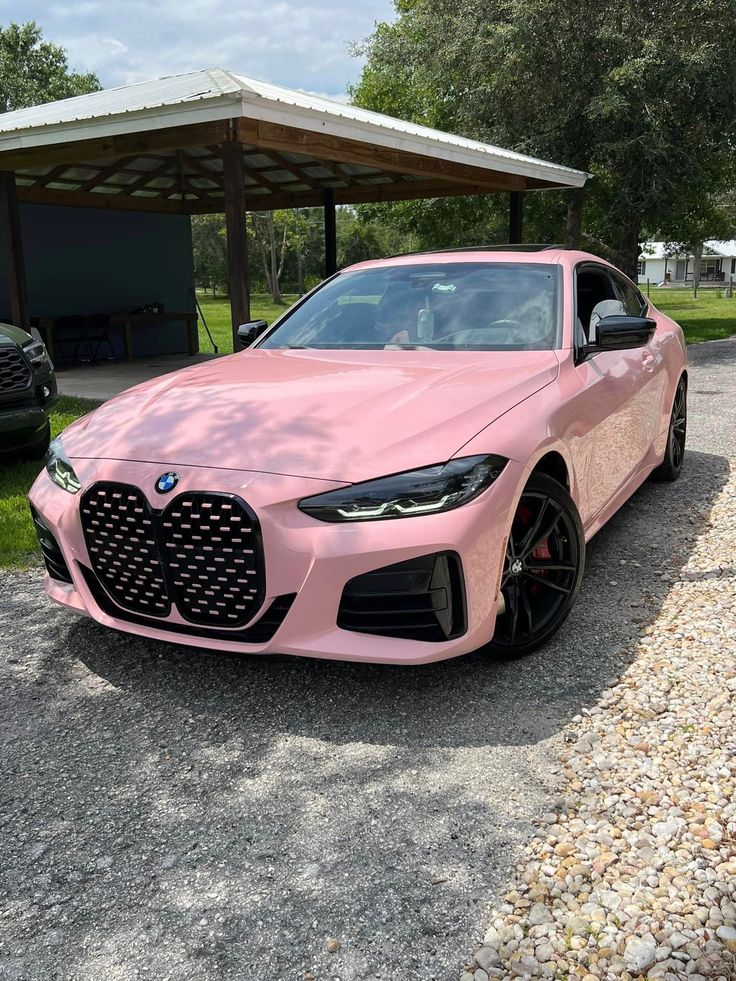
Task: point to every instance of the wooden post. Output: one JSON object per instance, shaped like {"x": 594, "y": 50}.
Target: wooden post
{"x": 10, "y": 222}
{"x": 516, "y": 217}
{"x": 330, "y": 234}
{"x": 237, "y": 243}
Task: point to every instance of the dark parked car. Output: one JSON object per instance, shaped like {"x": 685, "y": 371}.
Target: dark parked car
{"x": 27, "y": 393}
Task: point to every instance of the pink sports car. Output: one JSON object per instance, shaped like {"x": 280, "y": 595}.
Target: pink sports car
{"x": 405, "y": 467}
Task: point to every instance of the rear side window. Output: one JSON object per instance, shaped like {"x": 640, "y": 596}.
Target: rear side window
{"x": 634, "y": 303}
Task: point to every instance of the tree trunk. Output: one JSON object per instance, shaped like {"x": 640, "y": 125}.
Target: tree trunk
{"x": 266, "y": 272}
{"x": 574, "y": 222}
{"x": 626, "y": 248}
{"x": 274, "y": 278}
{"x": 697, "y": 263}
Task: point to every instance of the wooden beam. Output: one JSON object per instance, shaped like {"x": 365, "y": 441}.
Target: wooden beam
{"x": 196, "y": 165}
{"x": 10, "y": 222}
{"x": 211, "y": 204}
{"x": 161, "y": 171}
{"x": 262, "y": 180}
{"x": 407, "y": 191}
{"x": 107, "y": 202}
{"x": 110, "y": 147}
{"x": 294, "y": 169}
{"x": 106, "y": 172}
{"x": 52, "y": 175}
{"x": 330, "y": 234}
{"x": 237, "y": 242}
{"x": 322, "y": 146}
{"x": 516, "y": 217}
{"x": 361, "y": 194}
{"x": 339, "y": 172}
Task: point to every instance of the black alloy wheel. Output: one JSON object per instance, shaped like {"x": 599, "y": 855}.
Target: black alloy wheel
{"x": 674, "y": 454}
{"x": 542, "y": 570}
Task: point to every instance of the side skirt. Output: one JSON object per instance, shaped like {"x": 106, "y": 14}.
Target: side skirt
{"x": 620, "y": 498}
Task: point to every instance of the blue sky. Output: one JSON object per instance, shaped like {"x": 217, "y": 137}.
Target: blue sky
{"x": 298, "y": 44}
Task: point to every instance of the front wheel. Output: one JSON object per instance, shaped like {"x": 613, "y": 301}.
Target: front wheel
{"x": 542, "y": 571}
{"x": 674, "y": 454}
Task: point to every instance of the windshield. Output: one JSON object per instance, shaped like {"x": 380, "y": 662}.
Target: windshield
{"x": 452, "y": 306}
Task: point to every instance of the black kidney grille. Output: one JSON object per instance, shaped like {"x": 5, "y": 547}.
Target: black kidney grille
{"x": 15, "y": 372}
{"x": 202, "y": 553}
{"x": 212, "y": 553}
{"x": 120, "y": 532}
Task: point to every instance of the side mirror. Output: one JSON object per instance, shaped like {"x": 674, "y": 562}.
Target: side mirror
{"x": 247, "y": 333}
{"x": 620, "y": 333}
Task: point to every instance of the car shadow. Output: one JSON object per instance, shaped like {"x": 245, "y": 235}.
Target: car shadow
{"x": 631, "y": 565}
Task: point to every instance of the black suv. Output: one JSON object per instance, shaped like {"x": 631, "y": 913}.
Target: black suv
{"x": 27, "y": 392}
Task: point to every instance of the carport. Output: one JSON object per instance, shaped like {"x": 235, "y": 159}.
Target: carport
{"x": 216, "y": 142}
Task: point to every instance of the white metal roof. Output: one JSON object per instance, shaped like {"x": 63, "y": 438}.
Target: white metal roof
{"x": 663, "y": 250}
{"x": 215, "y": 94}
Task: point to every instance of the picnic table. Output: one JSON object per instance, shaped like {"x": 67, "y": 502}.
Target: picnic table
{"x": 129, "y": 320}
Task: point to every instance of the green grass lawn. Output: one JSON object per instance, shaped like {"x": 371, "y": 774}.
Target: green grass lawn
{"x": 17, "y": 538}
{"x": 709, "y": 318}
{"x": 217, "y": 315}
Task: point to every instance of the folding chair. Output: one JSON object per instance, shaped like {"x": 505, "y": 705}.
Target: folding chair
{"x": 69, "y": 336}
{"x": 97, "y": 333}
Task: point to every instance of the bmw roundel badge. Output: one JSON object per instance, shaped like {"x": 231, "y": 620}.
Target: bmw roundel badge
{"x": 167, "y": 482}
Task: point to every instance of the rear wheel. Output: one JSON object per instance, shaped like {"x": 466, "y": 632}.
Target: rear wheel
{"x": 542, "y": 570}
{"x": 674, "y": 454}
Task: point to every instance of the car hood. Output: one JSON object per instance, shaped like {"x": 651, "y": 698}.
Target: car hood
{"x": 336, "y": 415}
{"x": 13, "y": 335}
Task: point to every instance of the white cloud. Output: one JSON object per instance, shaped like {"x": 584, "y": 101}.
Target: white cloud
{"x": 290, "y": 42}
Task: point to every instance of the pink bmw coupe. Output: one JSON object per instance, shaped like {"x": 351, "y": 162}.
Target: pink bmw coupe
{"x": 405, "y": 467}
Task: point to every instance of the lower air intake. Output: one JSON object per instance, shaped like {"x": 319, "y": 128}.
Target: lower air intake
{"x": 52, "y": 555}
{"x": 421, "y": 599}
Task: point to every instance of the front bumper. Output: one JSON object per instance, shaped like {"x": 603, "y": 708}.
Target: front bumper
{"x": 305, "y": 559}
{"x": 23, "y": 419}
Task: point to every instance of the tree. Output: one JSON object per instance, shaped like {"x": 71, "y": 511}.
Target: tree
{"x": 33, "y": 71}
{"x": 209, "y": 247}
{"x": 641, "y": 95}
{"x": 270, "y": 237}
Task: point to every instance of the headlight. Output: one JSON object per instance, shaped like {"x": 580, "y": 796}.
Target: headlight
{"x": 36, "y": 353}
{"x": 60, "y": 469}
{"x": 404, "y": 495}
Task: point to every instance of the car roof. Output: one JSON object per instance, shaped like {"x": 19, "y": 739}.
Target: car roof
{"x": 551, "y": 254}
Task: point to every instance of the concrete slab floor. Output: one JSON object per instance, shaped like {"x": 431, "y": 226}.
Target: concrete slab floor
{"x": 110, "y": 378}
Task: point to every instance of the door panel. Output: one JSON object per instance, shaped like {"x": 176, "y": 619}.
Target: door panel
{"x": 604, "y": 425}
{"x": 608, "y": 417}
{"x": 648, "y": 402}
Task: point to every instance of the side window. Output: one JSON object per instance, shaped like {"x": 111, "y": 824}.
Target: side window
{"x": 592, "y": 286}
{"x": 633, "y": 301}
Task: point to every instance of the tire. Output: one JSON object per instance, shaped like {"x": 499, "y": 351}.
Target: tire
{"x": 674, "y": 454}
{"x": 543, "y": 569}
{"x": 37, "y": 450}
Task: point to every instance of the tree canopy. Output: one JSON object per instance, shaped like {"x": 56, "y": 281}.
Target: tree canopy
{"x": 640, "y": 95}
{"x": 33, "y": 71}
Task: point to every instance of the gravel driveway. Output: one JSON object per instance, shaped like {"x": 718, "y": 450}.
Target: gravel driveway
{"x": 174, "y": 814}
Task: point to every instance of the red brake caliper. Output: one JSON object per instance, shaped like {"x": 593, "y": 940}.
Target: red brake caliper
{"x": 542, "y": 551}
